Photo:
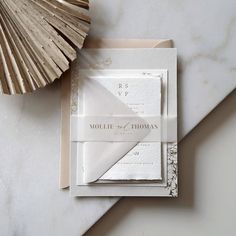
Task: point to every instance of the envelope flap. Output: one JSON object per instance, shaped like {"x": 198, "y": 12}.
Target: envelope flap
{"x": 99, "y": 157}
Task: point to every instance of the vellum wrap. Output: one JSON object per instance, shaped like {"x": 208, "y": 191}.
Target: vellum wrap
{"x": 100, "y": 156}
{"x": 102, "y": 148}
{"x": 38, "y": 41}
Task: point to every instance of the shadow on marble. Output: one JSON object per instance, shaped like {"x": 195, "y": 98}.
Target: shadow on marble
{"x": 187, "y": 152}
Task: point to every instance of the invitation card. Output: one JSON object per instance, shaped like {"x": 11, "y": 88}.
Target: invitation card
{"x": 143, "y": 95}
{"x": 124, "y": 123}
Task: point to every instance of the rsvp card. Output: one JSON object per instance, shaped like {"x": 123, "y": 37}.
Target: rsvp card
{"x": 142, "y": 94}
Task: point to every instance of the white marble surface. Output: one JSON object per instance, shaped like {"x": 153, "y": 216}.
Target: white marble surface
{"x": 30, "y": 200}
{"x": 204, "y": 33}
{"x": 206, "y": 205}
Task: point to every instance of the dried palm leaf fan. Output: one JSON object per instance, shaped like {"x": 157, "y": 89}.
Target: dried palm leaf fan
{"x": 38, "y": 41}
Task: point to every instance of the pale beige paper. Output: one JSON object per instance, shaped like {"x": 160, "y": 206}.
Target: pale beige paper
{"x": 64, "y": 178}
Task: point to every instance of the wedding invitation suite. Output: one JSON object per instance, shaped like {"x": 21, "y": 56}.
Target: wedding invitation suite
{"x": 124, "y": 123}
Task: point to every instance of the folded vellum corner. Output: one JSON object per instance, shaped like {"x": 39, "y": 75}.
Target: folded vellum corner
{"x": 99, "y": 157}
